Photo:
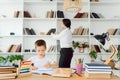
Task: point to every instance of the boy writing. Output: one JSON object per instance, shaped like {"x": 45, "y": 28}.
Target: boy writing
{"x": 41, "y": 61}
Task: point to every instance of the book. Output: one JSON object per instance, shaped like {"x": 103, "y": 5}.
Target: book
{"x": 32, "y": 32}
{"x": 27, "y": 14}
{"x": 10, "y": 47}
{"x": 78, "y": 15}
{"x": 52, "y": 30}
{"x": 60, "y": 14}
{"x": 84, "y": 15}
{"x": 97, "y": 48}
{"x": 28, "y": 31}
{"x": 8, "y": 72}
{"x": 16, "y": 14}
{"x": 95, "y": 15}
{"x": 48, "y": 71}
{"x": 97, "y": 65}
{"x": 97, "y": 75}
{"x": 85, "y": 31}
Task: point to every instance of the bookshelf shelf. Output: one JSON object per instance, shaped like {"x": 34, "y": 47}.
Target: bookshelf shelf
{"x": 75, "y": 36}
{"x": 102, "y": 3}
{"x": 48, "y": 19}
{"x": 75, "y": 19}
{"x": 34, "y": 53}
{"x": 105, "y": 19}
{"x": 47, "y": 36}
{"x": 15, "y": 19}
{"x": 39, "y": 1}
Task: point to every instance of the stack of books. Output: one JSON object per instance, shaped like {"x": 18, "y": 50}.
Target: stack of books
{"x": 25, "y": 68}
{"x": 8, "y": 72}
{"x": 97, "y": 70}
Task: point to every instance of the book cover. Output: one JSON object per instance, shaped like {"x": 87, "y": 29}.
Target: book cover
{"x": 97, "y": 65}
{"x": 28, "y": 31}
{"x": 27, "y": 14}
{"x": 78, "y": 15}
{"x": 95, "y": 15}
{"x": 60, "y": 14}
{"x": 32, "y": 32}
{"x": 53, "y": 30}
{"x": 84, "y": 15}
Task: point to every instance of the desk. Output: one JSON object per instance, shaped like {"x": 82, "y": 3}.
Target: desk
{"x": 46, "y": 77}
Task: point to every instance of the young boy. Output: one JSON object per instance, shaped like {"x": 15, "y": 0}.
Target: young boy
{"x": 40, "y": 61}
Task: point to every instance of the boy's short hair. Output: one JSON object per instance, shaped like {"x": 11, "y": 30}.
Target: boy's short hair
{"x": 40, "y": 43}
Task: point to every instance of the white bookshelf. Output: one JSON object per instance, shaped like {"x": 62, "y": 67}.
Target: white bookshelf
{"x": 38, "y": 8}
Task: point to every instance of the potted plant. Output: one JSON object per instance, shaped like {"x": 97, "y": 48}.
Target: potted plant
{"x": 93, "y": 55}
{"x": 2, "y": 60}
{"x": 15, "y": 59}
{"x": 80, "y": 45}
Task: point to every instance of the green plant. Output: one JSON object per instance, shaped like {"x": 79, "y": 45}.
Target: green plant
{"x": 2, "y": 59}
{"x": 118, "y": 56}
{"x": 75, "y": 44}
{"x": 78, "y": 44}
{"x": 12, "y": 58}
{"x": 93, "y": 54}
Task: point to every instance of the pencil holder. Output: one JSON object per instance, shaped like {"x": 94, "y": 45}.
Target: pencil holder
{"x": 79, "y": 68}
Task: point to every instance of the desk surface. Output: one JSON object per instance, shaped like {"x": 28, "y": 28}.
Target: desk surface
{"x": 47, "y": 77}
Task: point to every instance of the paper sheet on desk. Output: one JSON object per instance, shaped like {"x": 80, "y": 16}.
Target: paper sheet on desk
{"x": 48, "y": 71}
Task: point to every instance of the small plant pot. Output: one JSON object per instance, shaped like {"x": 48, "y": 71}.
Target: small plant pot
{"x": 92, "y": 60}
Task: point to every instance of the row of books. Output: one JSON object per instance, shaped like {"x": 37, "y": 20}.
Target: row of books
{"x": 29, "y": 31}
{"x": 14, "y": 48}
{"x": 95, "y": 48}
{"x": 8, "y": 72}
{"x": 114, "y": 31}
{"x": 60, "y": 14}
{"x": 80, "y": 31}
{"x": 97, "y": 70}
{"x": 81, "y": 15}
{"x": 51, "y": 14}
{"x": 94, "y": 0}
{"x": 25, "y": 68}
{"x": 96, "y": 15}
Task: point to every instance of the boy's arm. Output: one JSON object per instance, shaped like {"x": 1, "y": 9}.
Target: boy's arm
{"x": 51, "y": 65}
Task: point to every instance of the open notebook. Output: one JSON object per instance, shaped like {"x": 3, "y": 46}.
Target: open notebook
{"x": 58, "y": 72}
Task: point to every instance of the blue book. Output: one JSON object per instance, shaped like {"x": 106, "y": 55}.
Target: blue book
{"x": 96, "y": 65}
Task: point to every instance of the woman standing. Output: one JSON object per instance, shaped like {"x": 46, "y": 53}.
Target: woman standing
{"x": 65, "y": 37}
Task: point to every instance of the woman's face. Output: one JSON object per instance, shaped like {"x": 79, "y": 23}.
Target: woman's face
{"x": 40, "y": 51}
{"x": 63, "y": 26}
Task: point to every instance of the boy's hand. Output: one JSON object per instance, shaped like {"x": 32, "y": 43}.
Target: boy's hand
{"x": 34, "y": 68}
{"x": 47, "y": 65}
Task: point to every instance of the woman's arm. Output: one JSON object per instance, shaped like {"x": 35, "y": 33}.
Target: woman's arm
{"x": 58, "y": 36}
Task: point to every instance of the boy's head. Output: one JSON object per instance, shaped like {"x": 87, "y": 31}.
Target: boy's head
{"x": 40, "y": 46}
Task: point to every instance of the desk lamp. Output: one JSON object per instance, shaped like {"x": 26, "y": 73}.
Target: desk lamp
{"x": 102, "y": 38}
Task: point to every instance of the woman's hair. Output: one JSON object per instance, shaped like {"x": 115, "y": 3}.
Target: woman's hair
{"x": 40, "y": 43}
{"x": 67, "y": 23}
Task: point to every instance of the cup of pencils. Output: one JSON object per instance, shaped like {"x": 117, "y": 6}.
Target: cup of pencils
{"x": 79, "y": 66}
